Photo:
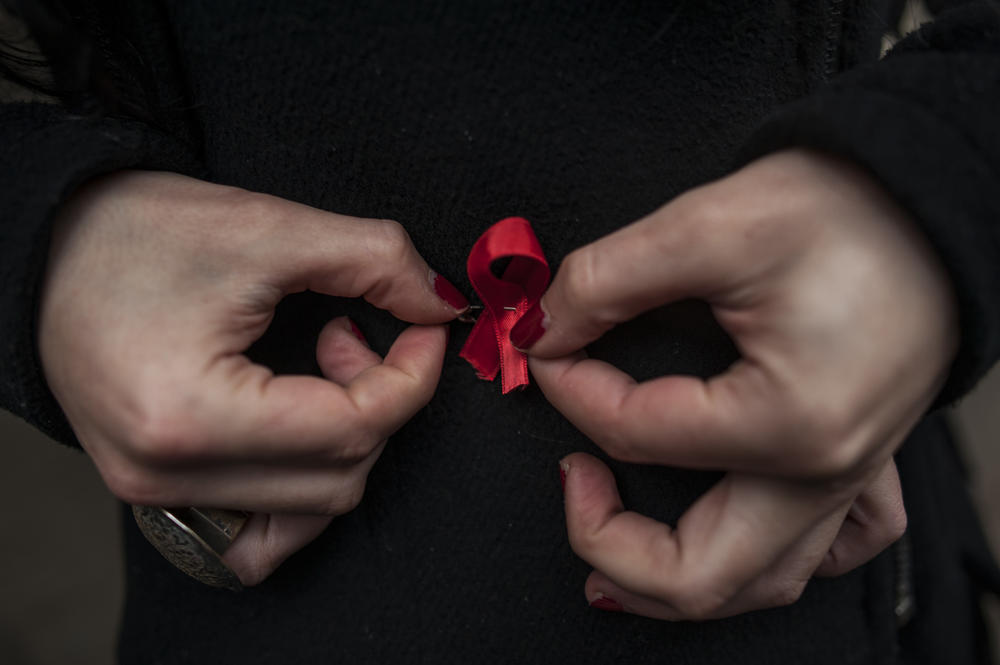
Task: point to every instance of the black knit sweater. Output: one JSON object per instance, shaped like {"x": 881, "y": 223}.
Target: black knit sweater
{"x": 581, "y": 115}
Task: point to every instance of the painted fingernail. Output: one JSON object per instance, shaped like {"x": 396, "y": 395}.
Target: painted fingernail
{"x": 529, "y": 328}
{"x": 447, "y": 292}
{"x": 356, "y": 331}
{"x": 563, "y": 470}
{"x": 602, "y": 602}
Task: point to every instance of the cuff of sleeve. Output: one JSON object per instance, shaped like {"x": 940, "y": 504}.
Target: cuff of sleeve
{"x": 933, "y": 171}
{"x": 48, "y": 154}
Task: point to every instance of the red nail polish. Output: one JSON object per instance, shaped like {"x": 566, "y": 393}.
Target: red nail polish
{"x": 607, "y": 604}
{"x": 562, "y": 478}
{"x": 357, "y": 332}
{"x": 447, "y": 292}
{"x": 529, "y": 328}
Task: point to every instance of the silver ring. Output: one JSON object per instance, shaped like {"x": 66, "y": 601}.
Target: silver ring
{"x": 194, "y": 540}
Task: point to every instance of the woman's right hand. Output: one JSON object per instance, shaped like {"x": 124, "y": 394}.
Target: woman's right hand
{"x": 157, "y": 283}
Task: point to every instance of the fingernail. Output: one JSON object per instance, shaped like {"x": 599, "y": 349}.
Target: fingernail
{"x": 602, "y": 602}
{"x": 357, "y": 332}
{"x": 529, "y": 328}
{"x": 563, "y": 470}
{"x": 447, "y": 292}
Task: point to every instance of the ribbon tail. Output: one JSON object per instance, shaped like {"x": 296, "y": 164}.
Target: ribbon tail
{"x": 513, "y": 363}
{"x": 480, "y": 349}
{"x": 515, "y": 371}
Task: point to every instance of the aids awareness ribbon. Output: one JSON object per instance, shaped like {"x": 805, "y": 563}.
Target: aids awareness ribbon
{"x": 505, "y": 299}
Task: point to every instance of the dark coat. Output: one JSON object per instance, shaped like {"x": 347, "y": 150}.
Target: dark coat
{"x": 581, "y": 115}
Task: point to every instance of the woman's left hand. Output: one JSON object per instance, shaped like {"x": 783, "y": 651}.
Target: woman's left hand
{"x": 847, "y": 327}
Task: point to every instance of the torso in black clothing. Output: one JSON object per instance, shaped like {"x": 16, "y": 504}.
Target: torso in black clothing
{"x": 581, "y": 116}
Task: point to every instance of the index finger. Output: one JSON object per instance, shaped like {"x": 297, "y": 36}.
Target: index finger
{"x": 300, "y": 247}
{"x": 677, "y": 252}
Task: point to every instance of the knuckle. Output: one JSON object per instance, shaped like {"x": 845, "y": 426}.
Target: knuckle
{"x": 827, "y": 446}
{"x": 164, "y": 436}
{"x": 134, "y": 485}
{"x": 695, "y": 594}
{"x": 787, "y": 594}
{"x": 894, "y": 525}
{"x": 260, "y": 565}
{"x": 355, "y": 449}
{"x": 355, "y": 494}
{"x": 584, "y": 539}
{"x": 824, "y": 460}
{"x": 581, "y": 286}
{"x": 837, "y": 460}
{"x": 696, "y": 601}
{"x": 354, "y": 454}
{"x": 609, "y": 435}
{"x": 345, "y": 497}
{"x": 393, "y": 241}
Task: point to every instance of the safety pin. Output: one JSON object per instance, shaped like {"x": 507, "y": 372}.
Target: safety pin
{"x": 470, "y": 315}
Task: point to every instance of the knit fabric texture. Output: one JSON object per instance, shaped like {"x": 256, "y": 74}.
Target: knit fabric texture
{"x": 581, "y": 116}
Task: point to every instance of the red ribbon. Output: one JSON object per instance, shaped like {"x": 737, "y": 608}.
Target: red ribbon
{"x": 505, "y": 299}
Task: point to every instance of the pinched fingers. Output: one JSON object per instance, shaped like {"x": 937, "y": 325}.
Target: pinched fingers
{"x": 749, "y": 543}
{"x": 188, "y": 274}
{"x": 287, "y": 443}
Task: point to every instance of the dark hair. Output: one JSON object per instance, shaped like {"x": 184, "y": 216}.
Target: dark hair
{"x": 61, "y": 49}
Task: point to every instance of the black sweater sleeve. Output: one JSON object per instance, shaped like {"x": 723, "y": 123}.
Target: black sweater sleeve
{"x": 47, "y": 153}
{"x": 924, "y": 120}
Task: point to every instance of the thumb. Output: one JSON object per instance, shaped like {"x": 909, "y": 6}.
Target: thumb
{"x": 591, "y": 497}
{"x": 670, "y": 255}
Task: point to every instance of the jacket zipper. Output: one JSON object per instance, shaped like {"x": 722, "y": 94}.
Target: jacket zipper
{"x": 905, "y": 600}
{"x": 833, "y": 34}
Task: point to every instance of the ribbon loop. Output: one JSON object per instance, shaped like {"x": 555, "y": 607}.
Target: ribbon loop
{"x": 505, "y": 299}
